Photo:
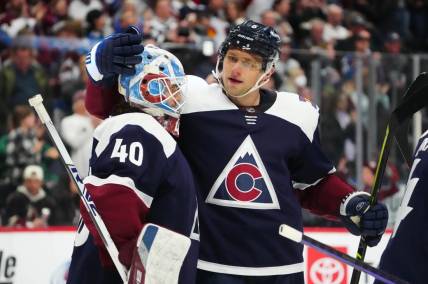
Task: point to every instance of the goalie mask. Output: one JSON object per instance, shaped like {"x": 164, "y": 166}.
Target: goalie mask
{"x": 157, "y": 86}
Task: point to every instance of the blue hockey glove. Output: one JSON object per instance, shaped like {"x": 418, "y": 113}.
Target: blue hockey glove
{"x": 361, "y": 219}
{"x": 116, "y": 54}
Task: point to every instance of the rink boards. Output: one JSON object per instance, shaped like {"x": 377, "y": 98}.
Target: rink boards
{"x": 42, "y": 256}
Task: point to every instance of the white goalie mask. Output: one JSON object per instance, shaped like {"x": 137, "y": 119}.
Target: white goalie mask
{"x": 158, "y": 83}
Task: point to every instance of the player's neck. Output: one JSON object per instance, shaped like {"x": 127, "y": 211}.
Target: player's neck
{"x": 250, "y": 100}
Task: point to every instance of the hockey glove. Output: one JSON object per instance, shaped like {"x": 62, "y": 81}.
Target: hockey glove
{"x": 361, "y": 219}
{"x": 116, "y": 54}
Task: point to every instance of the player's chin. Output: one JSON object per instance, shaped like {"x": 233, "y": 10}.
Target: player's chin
{"x": 233, "y": 90}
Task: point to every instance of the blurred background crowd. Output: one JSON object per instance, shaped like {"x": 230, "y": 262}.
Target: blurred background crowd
{"x": 354, "y": 58}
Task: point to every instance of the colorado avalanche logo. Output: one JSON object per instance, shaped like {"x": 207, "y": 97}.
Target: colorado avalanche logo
{"x": 244, "y": 182}
{"x": 241, "y": 180}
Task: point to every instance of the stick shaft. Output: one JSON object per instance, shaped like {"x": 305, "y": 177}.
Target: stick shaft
{"x": 380, "y": 170}
{"x": 37, "y": 103}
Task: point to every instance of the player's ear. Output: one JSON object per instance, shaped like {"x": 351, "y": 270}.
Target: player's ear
{"x": 267, "y": 76}
{"x": 271, "y": 71}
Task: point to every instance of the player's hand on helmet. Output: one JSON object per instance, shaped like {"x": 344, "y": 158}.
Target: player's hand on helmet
{"x": 116, "y": 54}
{"x": 362, "y": 219}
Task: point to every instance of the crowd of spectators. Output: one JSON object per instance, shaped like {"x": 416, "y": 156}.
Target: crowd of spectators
{"x": 43, "y": 45}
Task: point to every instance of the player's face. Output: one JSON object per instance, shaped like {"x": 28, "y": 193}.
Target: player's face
{"x": 241, "y": 70}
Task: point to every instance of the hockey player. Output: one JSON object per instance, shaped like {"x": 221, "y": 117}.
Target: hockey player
{"x": 256, "y": 158}
{"x": 137, "y": 172}
{"x": 406, "y": 254}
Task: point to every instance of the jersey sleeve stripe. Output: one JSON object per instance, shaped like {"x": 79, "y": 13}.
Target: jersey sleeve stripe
{"x": 91, "y": 65}
{"x": 124, "y": 181}
{"x": 302, "y": 186}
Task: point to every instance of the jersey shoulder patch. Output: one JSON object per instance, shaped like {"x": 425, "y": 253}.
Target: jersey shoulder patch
{"x": 296, "y": 110}
{"x": 201, "y": 96}
{"x": 128, "y": 121}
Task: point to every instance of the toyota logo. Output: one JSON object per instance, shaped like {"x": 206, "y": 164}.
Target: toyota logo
{"x": 327, "y": 271}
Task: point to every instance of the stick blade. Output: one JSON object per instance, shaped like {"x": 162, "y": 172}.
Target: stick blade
{"x": 417, "y": 84}
{"x": 290, "y": 233}
{"x": 415, "y": 98}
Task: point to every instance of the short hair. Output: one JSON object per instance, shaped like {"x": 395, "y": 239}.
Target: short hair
{"x": 20, "y": 112}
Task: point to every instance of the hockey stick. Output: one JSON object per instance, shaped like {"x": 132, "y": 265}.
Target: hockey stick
{"x": 402, "y": 140}
{"x": 415, "y": 98}
{"x": 401, "y": 134}
{"x": 299, "y": 237}
{"x": 37, "y": 103}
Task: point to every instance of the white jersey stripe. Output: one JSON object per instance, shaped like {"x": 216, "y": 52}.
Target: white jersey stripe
{"x": 291, "y": 108}
{"x": 250, "y": 271}
{"x": 301, "y": 185}
{"x": 125, "y": 181}
{"x": 114, "y": 124}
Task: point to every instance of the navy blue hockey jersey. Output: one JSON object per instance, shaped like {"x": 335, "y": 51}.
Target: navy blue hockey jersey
{"x": 406, "y": 254}
{"x": 247, "y": 164}
{"x": 137, "y": 175}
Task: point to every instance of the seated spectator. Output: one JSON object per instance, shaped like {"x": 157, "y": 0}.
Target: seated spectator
{"x": 5, "y": 187}
{"x": 394, "y": 61}
{"x": 361, "y": 43}
{"x": 289, "y": 69}
{"x": 53, "y": 11}
{"x": 132, "y": 12}
{"x": 164, "y": 22}
{"x": 50, "y": 161}
{"x": 20, "y": 78}
{"x": 273, "y": 19}
{"x": 66, "y": 76}
{"x": 235, "y": 12}
{"x": 12, "y": 10}
{"x": 78, "y": 9}
{"x": 256, "y": 7}
{"x": 96, "y": 21}
{"x": 30, "y": 206}
{"x": 283, "y": 7}
{"x": 315, "y": 41}
{"x": 77, "y": 130}
{"x": 333, "y": 29}
{"x": 23, "y": 147}
{"x": 334, "y": 124}
{"x": 66, "y": 196}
